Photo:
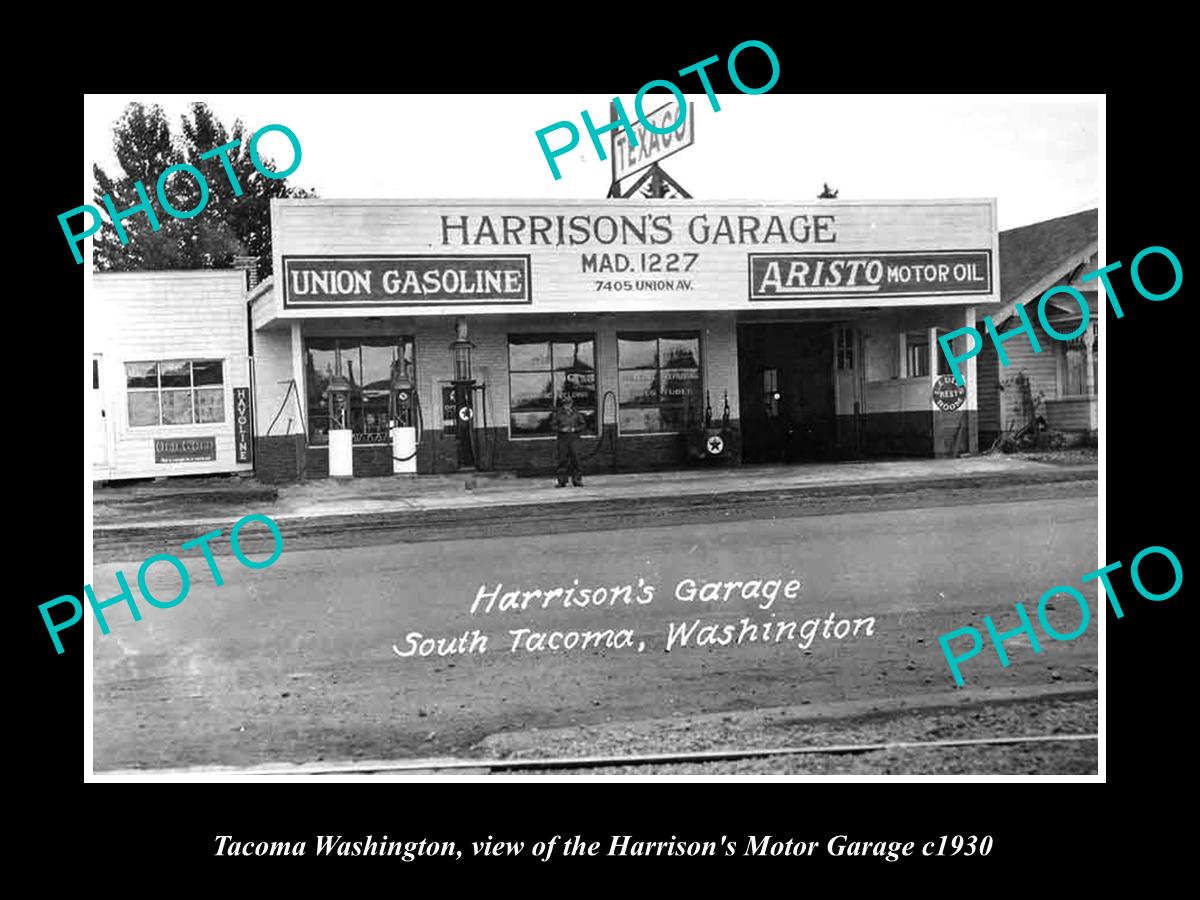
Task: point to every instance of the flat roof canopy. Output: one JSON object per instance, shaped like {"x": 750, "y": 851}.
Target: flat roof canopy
{"x": 452, "y": 257}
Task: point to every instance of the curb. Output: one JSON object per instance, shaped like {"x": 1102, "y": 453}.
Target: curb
{"x": 516, "y": 744}
{"x": 231, "y": 496}
{"x": 464, "y": 765}
{"x": 542, "y": 517}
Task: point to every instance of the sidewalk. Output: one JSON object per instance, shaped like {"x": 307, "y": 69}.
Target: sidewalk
{"x": 194, "y": 506}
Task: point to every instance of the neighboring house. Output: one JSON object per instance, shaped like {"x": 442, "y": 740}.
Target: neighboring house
{"x": 170, "y": 374}
{"x": 1033, "y": 259}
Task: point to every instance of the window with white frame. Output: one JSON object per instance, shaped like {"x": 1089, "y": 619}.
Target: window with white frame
{"x": 916, "y": 348}
{"x": 175, "y": 392}
{"x": 1075, "y": 383}
{"x": 845, "y": 348}
{"x": 958, "y": 346}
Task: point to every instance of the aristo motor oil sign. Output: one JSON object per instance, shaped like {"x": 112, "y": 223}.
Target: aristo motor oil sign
{"x": 776, "y": 276}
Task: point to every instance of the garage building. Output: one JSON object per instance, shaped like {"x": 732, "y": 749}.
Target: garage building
{"x": 686, "y": 331}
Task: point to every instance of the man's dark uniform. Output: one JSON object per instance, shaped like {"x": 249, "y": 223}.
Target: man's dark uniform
{"x": 567, "y": 422}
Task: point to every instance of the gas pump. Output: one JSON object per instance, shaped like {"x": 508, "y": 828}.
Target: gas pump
{"x": 713, "y": 443}
{"x": 464, "y": 395}
{"x": 341, "y": 437}
{"x": 404, "y": 415}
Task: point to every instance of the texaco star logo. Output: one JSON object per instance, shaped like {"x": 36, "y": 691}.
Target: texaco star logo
{"x": 715, "y": 445}
{"x": 464, "y": 413}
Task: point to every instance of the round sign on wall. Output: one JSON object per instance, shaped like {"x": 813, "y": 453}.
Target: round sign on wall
{"x": 947, "y": 395}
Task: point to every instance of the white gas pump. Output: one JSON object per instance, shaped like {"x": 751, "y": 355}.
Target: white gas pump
{"x": 404, "y": 413}
{"x": 341, "y": 438}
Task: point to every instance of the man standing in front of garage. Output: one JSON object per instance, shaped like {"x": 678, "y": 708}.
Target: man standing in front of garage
{"x": 567, "y": 422}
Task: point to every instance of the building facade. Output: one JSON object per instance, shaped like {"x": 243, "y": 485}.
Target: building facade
{"x": 1063, "y": 376}
{"x": 171, "y": 391}
{"x": 686, "y": 331}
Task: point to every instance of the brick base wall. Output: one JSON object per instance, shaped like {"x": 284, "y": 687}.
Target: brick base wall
{"x": 318, "y": 462}
{"x": 928, "y": 434}
{"x": 495, "y": 451}
{"x": 887, "y": 434}
{"x": 277, "y": 458}
{"x": 438, "y": 454}
{"x": 372, "y": 461}
{"x": 925, "y": 433}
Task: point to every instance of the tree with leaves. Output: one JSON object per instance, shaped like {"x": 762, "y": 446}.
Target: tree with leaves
{"x": 228, "y": 226}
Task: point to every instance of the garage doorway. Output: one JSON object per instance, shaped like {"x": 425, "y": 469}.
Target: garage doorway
{"x": 785, "y": 385}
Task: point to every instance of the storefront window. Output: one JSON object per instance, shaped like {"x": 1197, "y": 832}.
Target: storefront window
{"x": 541, "y": 368}
{"x": 958, "y": 346}
{"x": 1077, "y": 365}
{"x": 916, "y": 344}
{"x": 770, "y": 393}
{"x": 881, "y": 354}
{"x": 658, "y": 381}
{"x": 845, "y": 348}
{"x": 175, "y": 392}
{"x": 366, "y": 362}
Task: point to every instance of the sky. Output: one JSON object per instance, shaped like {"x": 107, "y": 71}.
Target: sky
{"x": 1038, "y": 156}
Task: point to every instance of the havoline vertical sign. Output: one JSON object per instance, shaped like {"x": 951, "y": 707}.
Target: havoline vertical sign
{"x": 243, "y": 427}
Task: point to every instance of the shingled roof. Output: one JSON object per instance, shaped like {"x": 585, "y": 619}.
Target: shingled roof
{"x": 1030, "y": 253}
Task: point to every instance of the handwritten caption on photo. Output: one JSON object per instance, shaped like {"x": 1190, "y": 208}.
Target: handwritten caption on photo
{"x": 126, "y": 595}
{"x": 694, "y": 633}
